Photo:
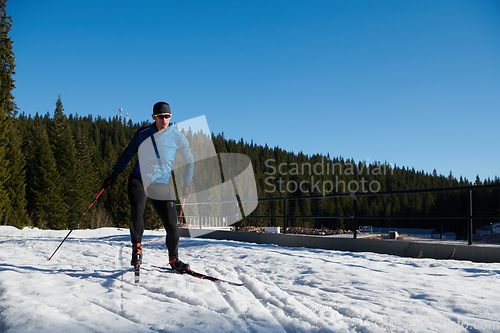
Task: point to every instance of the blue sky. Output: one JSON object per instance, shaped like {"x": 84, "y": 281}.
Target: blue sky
{"x": 412, "y": 83}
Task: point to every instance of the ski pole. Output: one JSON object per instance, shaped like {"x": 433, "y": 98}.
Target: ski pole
{"x": 183, "y": 203}
{"x": 182, "y": 210}
{"x": 76, "y": 223}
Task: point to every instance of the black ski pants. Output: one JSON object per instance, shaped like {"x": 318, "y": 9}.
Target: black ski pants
{"x": 164, "y": 208}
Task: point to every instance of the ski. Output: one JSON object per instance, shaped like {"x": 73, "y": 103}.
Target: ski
{"x": 199, "y": 276}
{"x": 137, "y": 273}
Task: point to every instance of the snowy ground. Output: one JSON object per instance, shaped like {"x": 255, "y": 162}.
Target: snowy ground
{"x": 88, "y": 287}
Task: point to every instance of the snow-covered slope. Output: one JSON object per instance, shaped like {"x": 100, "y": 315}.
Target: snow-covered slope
{"x": 88, "y": 287}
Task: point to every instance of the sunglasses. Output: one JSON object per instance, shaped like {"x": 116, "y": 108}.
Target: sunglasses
{"x": 163, "y": 116}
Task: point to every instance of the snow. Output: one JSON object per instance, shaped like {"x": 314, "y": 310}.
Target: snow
{"x": 88, "y": 287}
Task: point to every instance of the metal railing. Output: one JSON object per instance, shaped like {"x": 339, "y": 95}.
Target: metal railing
{"x": 468, "y": 217}
{"x": 201, "y": 222}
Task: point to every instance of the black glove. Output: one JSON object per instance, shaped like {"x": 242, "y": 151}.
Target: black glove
{"x": 109, "y": 181}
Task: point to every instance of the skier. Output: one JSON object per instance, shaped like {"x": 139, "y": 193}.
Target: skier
{"x": 172, "y": 140}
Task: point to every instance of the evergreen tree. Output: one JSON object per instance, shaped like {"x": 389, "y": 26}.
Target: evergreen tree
{"x": 61, "y": 140}
{"x": 86, "y": 181}
{"x": 7, "y": 106}
{"x": 306, "y": 210}
{"x": 15, "y": 214}
{"x": 7, "y": 67}
{"x": 4, "y": 174}
{"x": 48, "y": 209}
{"x": 296, "y": 211}
{"x": 63, "y": 147}
{"x": 27, "y": 126}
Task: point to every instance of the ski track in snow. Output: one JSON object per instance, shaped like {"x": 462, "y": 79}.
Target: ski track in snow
{"x": 88, "y": 287}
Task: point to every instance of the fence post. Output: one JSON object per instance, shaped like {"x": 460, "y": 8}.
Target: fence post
{"x": 284, "y": 216}
{"x": 469, "y": 220}
{"x": 354, "y": 220}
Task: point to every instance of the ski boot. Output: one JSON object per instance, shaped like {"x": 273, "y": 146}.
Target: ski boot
{"x": 136, "y": 255}
{"x": 178, "y": 265}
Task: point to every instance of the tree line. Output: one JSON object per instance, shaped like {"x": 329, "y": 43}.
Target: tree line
{"x": 280, "y": 173}
{"x": 52, "y": 167}
{"x": 56, "y": 165}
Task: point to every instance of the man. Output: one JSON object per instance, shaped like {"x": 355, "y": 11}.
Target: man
{"x": 166, "y": 142}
